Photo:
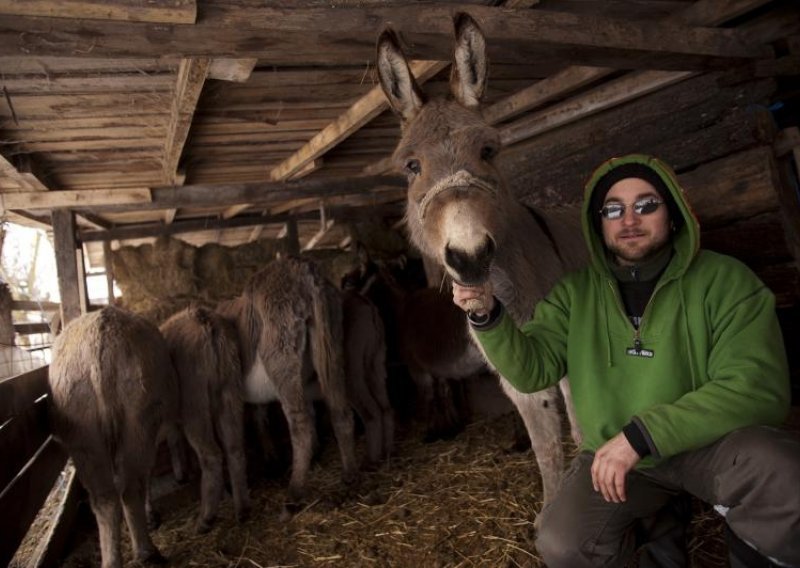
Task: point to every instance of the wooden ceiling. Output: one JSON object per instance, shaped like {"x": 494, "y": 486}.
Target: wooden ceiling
{"x": 221, "y": 119}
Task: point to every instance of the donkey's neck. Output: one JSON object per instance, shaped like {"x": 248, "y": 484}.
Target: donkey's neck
{"x": 526, "y": 266}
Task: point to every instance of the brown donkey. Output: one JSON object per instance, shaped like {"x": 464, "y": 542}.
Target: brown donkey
{"x": 289, "y": 320}
{"x": 113, "y": 390}
{"x": 204, "y": 348}
{"x": 461, "y": 215}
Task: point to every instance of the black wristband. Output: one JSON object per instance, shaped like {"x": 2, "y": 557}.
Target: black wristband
{"x": 486, "y": 321}
{"x": 636, "y": 439}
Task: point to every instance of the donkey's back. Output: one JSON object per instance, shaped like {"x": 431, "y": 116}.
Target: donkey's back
{"x": 113, "y": 389}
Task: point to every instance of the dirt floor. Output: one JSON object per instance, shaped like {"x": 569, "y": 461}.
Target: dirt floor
{"x": 470, "y": 501}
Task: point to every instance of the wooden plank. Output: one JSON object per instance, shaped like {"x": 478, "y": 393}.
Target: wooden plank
{"x": 25, "y": 495}
{"x": 191, "y": 77}
{"x": 20, "y": 392}
{"x": 26, "y": 182}
{"x": 305, "y": 35}
{"x": 163, "y": 12}
{"x": 671, "y": 123}
{"x": 146, "y": 230}
{"x": 319, "y": 235}
{"x": 52, "y": 545}
{"x": 93, "y": 198}
{"x": 31, "y": 328}
{"x": 35, "y": 306}
{"x": 27, "y": 220}
{"x": 201, "y": 195}
{"x": 65, "y": 247}
{"x": 20, "y": 438}
{"x": 292, "y": 236}
{"x": 236, "y": 70}
{"x": 630, "y": 87}
{"x": 364, "y": 110}
{"x": 108, "y": 261}
{"x": 740, "y": 185}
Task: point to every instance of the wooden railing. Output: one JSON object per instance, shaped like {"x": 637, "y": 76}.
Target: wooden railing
{"x": 34, "y": 306}
{"x": 30, "y": 459}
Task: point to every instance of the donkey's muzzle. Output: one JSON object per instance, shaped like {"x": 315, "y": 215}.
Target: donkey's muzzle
{"x": 470, "y": 267}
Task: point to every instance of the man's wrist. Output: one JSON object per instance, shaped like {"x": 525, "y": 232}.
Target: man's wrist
{"x": 488, "y": 320}
{"x": 636, "y": 439}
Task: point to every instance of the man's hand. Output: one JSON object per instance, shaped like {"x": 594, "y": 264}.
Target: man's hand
{"x": 611, "y": 464}
{"x": 476, "y": 299}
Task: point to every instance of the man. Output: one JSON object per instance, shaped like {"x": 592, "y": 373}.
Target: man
{"x": 678, "y": 372}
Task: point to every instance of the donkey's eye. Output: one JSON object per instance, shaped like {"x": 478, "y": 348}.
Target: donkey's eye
{"x": 413, "y": 167}
{"x": 488, "y": 152}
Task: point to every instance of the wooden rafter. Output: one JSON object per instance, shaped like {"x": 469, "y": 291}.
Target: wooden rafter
{"x": 284, "y": 37}
{"x": 191, "y": 77}
{"x": 201, "y": 195}
{"x": 163, "y": 12}
{"x": 701, "y": 13}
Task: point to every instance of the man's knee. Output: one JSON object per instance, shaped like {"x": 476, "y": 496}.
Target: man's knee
{"x": 559, "y": 546}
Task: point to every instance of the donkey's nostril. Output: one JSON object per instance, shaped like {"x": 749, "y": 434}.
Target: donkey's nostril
{"x": 470, "y": 267}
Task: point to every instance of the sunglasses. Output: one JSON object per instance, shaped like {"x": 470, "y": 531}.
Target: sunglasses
{"x": 644, "y": 206}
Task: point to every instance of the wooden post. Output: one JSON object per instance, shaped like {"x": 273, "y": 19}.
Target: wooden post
{"x": 292, "y": 237}
{"x": 109, "y": 271}
{"x": 66, "y": 264}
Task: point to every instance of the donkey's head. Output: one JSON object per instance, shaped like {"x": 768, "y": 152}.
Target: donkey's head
{"x": 456, "y": 200}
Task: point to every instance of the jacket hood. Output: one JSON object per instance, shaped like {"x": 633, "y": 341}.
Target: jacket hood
{"x": 685, "y": 242}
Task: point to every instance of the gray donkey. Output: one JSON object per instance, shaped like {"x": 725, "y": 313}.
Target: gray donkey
{"x": 205, "y": 352}
{"x": 113, "y": 391}
{"x": 461, "y": 215}
{"x": 289, "y": 320}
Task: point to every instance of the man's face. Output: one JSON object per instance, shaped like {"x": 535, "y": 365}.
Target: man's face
{"x": 635, "y": 238}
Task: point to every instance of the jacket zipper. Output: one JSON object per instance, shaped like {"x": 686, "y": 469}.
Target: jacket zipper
{"x": 637, "y": 333}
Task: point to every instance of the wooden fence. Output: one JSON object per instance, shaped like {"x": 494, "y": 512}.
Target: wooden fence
{"x": 30, "y": 461}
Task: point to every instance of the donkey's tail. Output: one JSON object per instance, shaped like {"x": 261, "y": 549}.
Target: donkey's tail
{"x": 327, "y": 335}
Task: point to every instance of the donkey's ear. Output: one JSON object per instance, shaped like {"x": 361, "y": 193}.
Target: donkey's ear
{"x": 404, "y": 95}
{"x": 470, "y": 65}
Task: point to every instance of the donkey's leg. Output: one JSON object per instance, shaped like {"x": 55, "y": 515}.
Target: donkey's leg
{"x": 132, "y": 475}
{"x": 230, "y": 427}
{"x": 376, "y": 381}
{"x": 200, "y": 433}
{"x": 285, "y": 371}
{"x": 177, "y": 452}
{"x": 98, "y": 478}
{"x": 364, "y": 404}
{"x": 423, "y": 381}
{"x": 566, "y": 392}
{"x": 540, "y": 414}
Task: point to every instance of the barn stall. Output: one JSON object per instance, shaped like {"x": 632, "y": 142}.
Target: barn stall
{"x": 174, "y": 147}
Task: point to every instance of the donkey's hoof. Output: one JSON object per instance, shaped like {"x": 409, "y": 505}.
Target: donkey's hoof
{"x": 154, "y": 558}
{"x": 243, "y": 513}
{"x": 203, "y": 526}
{"x": 289, "y": 510}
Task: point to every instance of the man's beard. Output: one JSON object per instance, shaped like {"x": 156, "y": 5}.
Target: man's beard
{"x": 638, "y": 255}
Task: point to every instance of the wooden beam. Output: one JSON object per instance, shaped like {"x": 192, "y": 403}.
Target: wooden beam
{"x": 27, "y": 220}
{"x": 191, "y": 77}
{"x": 163, "y": 12}
{"x": 202, "y": 195}
{"x": 701, "y": 13}
{"x": 25, "y": 179}
{"x": 304, "y": 171}
{"x": 66, "y": 264}
{"x": 199, "y": 225}
{"x": 236, "y": 70}
{"x": 313, "y": 35}
{"x": 632, "y": 86}
{"x": 292, "y": 236}
{"x": 91, "y": 199}
{"x": 363, "y": 110}
{"x": 319, "y": 235}
{"x": 109, "y": 264}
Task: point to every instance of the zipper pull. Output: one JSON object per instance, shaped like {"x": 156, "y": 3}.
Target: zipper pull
{"x": 637, "y": 342}
{"x": 635, "y": 273}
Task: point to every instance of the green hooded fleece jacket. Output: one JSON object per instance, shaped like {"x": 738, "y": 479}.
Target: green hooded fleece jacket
{"x": 718, "y": 361}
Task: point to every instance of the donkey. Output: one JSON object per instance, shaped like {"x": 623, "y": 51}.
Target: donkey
{"x": 365, "y": 365}
{"x": 289, "y": 321}
{"x": 113, "y": 390}
{"x": 431, "y": 342}
{"x": 460, "y": 213}
{"x": 205, "y": 352}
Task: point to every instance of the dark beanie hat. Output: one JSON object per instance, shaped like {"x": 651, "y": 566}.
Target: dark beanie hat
{"x": 633, "y": 170}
